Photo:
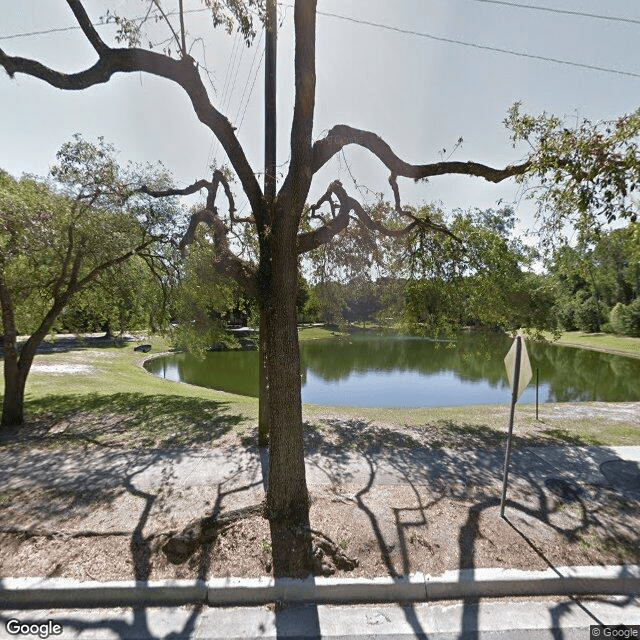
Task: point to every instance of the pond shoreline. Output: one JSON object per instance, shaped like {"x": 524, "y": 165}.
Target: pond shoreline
{"x": 396, "y": 371}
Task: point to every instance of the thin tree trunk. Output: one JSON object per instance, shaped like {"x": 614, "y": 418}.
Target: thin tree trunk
{"x": 17, "y": 366}
{"x": 14, "y": 383}
{"x": 287, "y": 497}
{"x": 13, "y": 401}
{"x": 15, "y": 379}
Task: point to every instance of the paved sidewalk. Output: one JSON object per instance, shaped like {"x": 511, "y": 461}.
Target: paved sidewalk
{"x": 111, "y": 469}
{"x": 105, "y": 469}
{"x": 560, "y": 618}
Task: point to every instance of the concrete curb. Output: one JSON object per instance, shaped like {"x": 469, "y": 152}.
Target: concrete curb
{"x": 488, "y": 583}
{"x": 39, "y": 593}
{"x": 238, "y": 591}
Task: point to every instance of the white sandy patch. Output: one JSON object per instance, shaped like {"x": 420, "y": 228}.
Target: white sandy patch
{"x": 62, "y": 368}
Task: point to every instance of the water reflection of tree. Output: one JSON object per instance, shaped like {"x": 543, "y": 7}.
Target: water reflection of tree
{"x": 468, "y": 357}
{"x": 570, "y": 374}
{"x": 578, "y": 374}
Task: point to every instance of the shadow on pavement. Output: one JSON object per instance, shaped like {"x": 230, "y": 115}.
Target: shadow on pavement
{"x": 472, "y": 476}
{"x": 366, "y": 456}
{"x": 140, "y": 548}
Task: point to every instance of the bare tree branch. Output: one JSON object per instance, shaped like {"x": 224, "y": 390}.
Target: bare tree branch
{"x": 87, "y": 27}
{"x": 425, "y": 222}
{"x": 181, "y": 47}
{"x": 211, "y": 186}
{"x": 185, "y": 191}
{"x": 220, "y": 179}
{"x": 182, "y": 31}
{"x": 313, "y": 239}
{"x": 183, "y": 72}
{"x": 342, "y": 135}
{"x": 226, "y": 263}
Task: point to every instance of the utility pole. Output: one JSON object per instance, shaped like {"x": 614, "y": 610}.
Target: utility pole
{"x": 271, "y": 40}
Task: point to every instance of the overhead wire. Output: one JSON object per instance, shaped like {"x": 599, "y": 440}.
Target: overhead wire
{"x": 246, "y": 84}
{"x": 251, "y": 90}
{"x": 421, "y": 34}
{"x": 474, "y": 45}
{"x": 568, "y": 12}
{"x": 233, "y": 72}
{"x": 214, "y": 140}
{"x": 234, "y": 75}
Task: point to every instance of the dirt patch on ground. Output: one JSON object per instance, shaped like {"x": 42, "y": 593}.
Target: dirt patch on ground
{"x": 619, "y": 411}
{"x": 62, "y": 368}
{"x": 391, "y": 529}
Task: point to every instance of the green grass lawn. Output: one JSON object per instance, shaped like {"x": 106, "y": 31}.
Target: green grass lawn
{"x": 103, "y": 394}
{"x": 623, "y": 345}
{"x": 315, "y": 333}
{"x": 110, "y": 387}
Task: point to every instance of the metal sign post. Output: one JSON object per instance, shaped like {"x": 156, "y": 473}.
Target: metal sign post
{"x": 537, "y": 380}
{"x": 519, "y": 374}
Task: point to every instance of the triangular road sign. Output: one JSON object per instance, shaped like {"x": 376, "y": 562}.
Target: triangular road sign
{"x": 525, "y": 366}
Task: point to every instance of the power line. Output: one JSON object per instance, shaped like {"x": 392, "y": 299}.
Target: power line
{"x": 246, "y": 84}
{"x": 246, "y": 104}
{"x": 420, "y": 34}
{"x": 567, "y": 12}
{"x": 236, "y": 73}
{"x": 483, "y": 47}
{"x": 77, "y": 27}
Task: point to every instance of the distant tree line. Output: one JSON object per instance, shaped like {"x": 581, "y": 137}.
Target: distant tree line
{"x": 596, "y": 283}
{"x": 592, "y": 285}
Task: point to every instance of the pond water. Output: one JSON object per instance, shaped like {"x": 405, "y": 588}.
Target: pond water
{"x": 401, "y": 371}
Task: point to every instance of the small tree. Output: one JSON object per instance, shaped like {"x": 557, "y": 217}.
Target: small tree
{"x": 53, "y": 246}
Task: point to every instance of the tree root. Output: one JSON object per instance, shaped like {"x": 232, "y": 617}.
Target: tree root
{"x": 328, "y": 557}
{"x": 48, "y": 533}
{"x": 182, "y": 545}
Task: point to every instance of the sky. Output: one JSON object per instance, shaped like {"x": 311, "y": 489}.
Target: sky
{"x": 420, "y": 91}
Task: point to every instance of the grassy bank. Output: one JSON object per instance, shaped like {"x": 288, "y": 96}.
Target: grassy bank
{"x": 106, "y": 393}
{"x": 622, "y": 345}
{"x": 103, "y": 394}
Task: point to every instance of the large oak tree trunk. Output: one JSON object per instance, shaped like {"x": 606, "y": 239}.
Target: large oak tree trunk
{"x": 287, "y": 498}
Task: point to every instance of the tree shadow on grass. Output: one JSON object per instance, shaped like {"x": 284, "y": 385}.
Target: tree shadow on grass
{"x": 464, "y": 435}
{"x": 125, "y": 420}
{"x": 333, "y": 434}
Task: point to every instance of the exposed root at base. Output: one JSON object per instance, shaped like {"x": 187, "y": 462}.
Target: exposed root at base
{"x": 326, "y": 557}
{"x": 182, "y": 545}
